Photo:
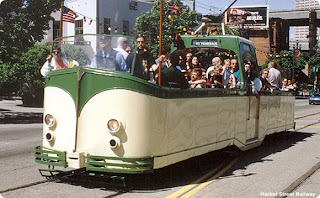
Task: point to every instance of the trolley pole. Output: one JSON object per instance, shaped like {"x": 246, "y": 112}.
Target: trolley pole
{"x": 160, "y": 39}
{"x": 61, "y": 19}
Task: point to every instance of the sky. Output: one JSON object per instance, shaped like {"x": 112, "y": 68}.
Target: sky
{"x": 218, "y": 6}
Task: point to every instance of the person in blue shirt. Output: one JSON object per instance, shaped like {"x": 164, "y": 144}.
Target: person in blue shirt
{"x": 108, "y": 58}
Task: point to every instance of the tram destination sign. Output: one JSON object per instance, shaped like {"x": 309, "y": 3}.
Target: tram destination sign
{"x": 248, "y": 17}
{"x": 205, "y": 42}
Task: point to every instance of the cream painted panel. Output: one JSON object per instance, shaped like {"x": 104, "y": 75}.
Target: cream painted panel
{"x": 290, "y": 111}
{"x": 263, "y": 116}
{"x": 181, "y": 127}
{"x": 60, "y": 104}
{"x": 274, "y": 106}
{"x": 206, "y": 126}
{"x": 143, "y": 118}
{"x": 251, "y": 123}
{"x": 225, "y": 117}
{"x": 281, "y": 114}
{"x": 241, "y": 114}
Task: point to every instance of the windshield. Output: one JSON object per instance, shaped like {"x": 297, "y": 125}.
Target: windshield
{"x": 103, "y": 52}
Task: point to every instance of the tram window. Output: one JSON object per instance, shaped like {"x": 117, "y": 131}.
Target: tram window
{"x": 205, "y": 57}
{"x": 100, "y": 52}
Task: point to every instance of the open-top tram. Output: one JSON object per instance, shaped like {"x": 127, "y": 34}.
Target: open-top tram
{"x": 110, "y": 119}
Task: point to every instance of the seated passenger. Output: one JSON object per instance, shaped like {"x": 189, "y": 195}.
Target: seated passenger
{"x": 195, "y": 63}
{"x": 196, "y": 79}
{"x": 235, "y": 70}
{"x": 216, "y": 79}
{"x": 284, "y": 84}
{"x": 226, "y": 70}
{"x": 216, "y": 61}
{"x": 108, "y": 58}
{"x": 54, "y": 62}
{"x": 265, "y": 81}
{"x": 172, "y": 76}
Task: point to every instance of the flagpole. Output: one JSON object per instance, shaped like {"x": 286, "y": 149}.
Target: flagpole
{"x": 61, "y": 18}
{"x": 160, "y": 39}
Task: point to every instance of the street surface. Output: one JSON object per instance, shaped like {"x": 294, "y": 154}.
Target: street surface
{"x": 270, "y": 170}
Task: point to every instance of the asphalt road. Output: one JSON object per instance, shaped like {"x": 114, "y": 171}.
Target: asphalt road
{"x": 265, "y": 171}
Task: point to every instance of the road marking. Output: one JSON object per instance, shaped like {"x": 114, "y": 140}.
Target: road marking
{"x": 194, "y": 183}
{"x": 307, "y": 120}
{"x": 301, "y": 127}
{"x": 195, "y": 190}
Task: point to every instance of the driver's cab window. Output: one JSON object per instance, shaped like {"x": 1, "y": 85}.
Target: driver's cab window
{"x": 249, "y": 62}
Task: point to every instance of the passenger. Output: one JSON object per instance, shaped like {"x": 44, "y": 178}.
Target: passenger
{"x": 196, "y": 79}
{"x": 145, "y": 55}
{"x": 274, "y": 75}
{"x": 216, "y": 79}
{"x": 216, "y": 61}
{"x": 173, "y": 75}
{"x": 54, "y": 62}
{"x": 129, "y": 49}
{"x": 284, "y": 84}
{"x": 226, "y": 70}
{"x": 291, "y": 86}
{"x": 265, "y": 81}
{"x": 235, "y": 70}
{"x": 163, "y": 59}
{"x": 108, "y": 58}
{"x": 195, "y": 63}
{"x": 254, "y": 81}
{"x": 122, "y": 45}
{"x": 189, "y": 57}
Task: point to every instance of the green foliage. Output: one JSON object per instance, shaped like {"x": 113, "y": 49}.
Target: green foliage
{"x": 24, "y": 24}
{"x": 148, "y": 24}
{"x": 72, "y": 52}
{"x": 285, "y": 63}
{"x": 314, "y": 61}
{"x": 23, "y": 78}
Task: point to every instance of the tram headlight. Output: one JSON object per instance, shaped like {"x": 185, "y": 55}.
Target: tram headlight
{"x": 114, "y": 142}
{"x": 50, "y": 136}
{"x": 114, "y": 125}
{"x": 49, "y": 120}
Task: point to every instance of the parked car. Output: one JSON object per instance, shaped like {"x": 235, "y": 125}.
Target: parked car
{"x": 315, "y": 98}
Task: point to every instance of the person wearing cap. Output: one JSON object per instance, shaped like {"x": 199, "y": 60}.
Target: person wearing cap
{"x": 108, "y": 58}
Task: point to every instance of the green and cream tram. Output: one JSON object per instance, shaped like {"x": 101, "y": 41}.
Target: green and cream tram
{"x": 110, "y": 120}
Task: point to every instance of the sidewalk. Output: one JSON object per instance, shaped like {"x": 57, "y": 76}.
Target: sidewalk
{"x": 12, "y": 111}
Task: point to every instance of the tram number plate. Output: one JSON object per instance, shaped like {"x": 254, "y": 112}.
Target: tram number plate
{"x": 205, "y": 42}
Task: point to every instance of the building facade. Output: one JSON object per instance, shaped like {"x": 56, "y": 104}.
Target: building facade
{"x": 301, "y": 33}
{"x": 98, "y": 17}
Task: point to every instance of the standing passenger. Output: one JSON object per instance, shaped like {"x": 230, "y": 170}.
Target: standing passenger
{"x": 226, "y": 70}
{"x": 274, "y": 75}
{"x": 145, "y": 55}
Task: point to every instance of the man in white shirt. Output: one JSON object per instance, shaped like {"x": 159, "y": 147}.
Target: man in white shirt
{"x": 274, "y": 75}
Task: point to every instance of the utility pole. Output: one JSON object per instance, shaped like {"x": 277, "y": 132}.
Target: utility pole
{"x": 194, "y": 4}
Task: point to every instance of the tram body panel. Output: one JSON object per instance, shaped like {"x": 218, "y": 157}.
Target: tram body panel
{"x": 241, "y": 114}
{"x": 60, "y": 104}
{"x": 207, "y": 125}
{"x": 181, "y": 127}
{"x": 142, "y": 134}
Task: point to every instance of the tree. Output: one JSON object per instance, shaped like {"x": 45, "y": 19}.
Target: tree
{"x": 147, "y": 24}
{"x": 24, "y": 23}
{"x": 23, "y": 78}
{"x": 285, "y": 64}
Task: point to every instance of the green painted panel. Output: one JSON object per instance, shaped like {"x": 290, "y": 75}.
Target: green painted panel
{"x": 65, "y": 79}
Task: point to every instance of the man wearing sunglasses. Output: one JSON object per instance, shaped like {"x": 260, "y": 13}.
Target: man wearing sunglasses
{"x": 54, "y": 62}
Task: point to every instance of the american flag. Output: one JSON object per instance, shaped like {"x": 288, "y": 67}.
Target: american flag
{"x": 69, "y": 15}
